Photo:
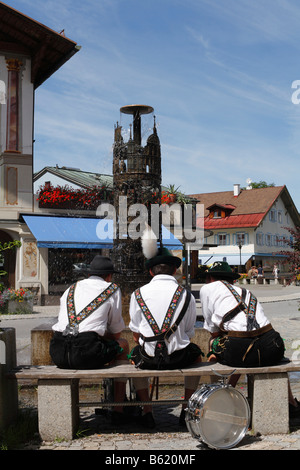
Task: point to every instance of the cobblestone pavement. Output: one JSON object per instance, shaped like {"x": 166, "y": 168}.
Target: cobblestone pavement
{"x": 281, "y": 305}
{"x": 97, "y": 433}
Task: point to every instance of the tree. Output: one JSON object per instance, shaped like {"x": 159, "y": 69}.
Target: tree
{"x": 293, "y": 255}
{"x": 262, "y": 184}
{"x": 7, "y": 246}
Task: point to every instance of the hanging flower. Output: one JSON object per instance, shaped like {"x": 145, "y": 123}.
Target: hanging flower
{"x": 88, "y": 198}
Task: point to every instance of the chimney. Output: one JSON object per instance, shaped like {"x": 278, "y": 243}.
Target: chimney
{"x": 236, "y": 190}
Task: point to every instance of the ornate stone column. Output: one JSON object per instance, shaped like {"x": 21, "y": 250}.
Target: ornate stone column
{"x": 13, "y": 84}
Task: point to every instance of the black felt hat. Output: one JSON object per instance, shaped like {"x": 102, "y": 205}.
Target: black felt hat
{"x": 101, "y": 265}
{"x": 221, "y": 269}
{"x": 163, "y": 256}
{"x": 156, "y": 255}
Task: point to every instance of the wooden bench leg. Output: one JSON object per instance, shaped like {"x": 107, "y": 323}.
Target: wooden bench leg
{"x": 268, "y": 395}
{"x": 58, "y": 411}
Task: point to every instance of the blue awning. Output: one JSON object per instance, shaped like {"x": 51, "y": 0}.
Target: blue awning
{"x": 76, "y": 232}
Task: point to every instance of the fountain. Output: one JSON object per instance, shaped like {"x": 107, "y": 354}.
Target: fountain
{"x": 136, "y": 175}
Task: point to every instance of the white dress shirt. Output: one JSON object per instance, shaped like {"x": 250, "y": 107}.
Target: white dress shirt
{"x": 157, "y": 296}
{"x": 217, "y": 300}
{"x": 106, "y": 318}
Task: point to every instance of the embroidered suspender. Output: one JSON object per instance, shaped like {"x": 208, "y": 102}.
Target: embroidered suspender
{"x": 168, "y": 317}
{"x": 76, "y": 318}
{"x": 249, "y": 310}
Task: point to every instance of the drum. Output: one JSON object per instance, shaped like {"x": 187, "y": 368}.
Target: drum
{"x": 218, "y": 415}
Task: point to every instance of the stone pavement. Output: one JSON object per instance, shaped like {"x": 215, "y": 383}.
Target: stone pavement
{"x": 167, "y": 437}
{"x": 281, "y": 305}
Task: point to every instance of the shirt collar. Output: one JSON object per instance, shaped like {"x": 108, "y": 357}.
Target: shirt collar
{"x": 163, "y": 277}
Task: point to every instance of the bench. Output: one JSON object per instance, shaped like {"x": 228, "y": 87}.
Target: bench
{"x": 58, "y": 393}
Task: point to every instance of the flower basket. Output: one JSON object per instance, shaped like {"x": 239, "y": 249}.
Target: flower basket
{"x": 19, "y": 308}
{"x": 64, "y": 197}
{"x": 18, "y": 301}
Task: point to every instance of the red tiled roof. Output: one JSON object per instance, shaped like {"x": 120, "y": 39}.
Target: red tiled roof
{"x": 248, "y": 209}
{"x": 233, "y": 221}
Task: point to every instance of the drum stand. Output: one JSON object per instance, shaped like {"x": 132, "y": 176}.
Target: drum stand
{"x": 224, "y": 377}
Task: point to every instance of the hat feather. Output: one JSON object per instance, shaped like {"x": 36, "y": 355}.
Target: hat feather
{"x": 149, "y": 243}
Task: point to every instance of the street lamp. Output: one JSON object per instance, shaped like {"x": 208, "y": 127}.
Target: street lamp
{"x": 240, "y": 244}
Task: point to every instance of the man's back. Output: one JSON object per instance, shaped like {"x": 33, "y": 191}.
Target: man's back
{"x": 157, "y": 295}
{"x": 217, "y": 300}
{"x": 107, "y": 317}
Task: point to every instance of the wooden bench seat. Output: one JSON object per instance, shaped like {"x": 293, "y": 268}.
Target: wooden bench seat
{"x": 58, "y": 392}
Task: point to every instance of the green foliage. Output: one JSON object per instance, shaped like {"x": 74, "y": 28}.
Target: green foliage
{"x": 262, "y": 184}
{"x": 3, "y": 247}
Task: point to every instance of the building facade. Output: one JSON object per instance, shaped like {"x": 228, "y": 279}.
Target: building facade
{"x": 249, "y": 226}
{"x": 29, "y": 54}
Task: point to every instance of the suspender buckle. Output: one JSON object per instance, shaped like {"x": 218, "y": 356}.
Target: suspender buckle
{"x": 170, "y": 331}
{"x": 71, "y": 330}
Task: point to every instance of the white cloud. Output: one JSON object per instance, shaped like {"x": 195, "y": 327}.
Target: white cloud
{"x": 217, "y": 72}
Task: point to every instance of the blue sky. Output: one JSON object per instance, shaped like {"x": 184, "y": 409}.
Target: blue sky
{"x": 218, "y": 74}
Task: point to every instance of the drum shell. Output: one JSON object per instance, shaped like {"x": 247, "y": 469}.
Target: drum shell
{"x": 218, "y": 415}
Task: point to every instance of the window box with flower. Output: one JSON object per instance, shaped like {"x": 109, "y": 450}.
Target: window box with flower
{"x": 65, "y": 197}
{"x": 16, "y": 301}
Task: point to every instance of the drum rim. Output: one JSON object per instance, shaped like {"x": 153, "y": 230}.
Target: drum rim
{"x": 201, "y": 436}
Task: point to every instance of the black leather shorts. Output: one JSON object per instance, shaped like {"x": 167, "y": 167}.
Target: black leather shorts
{"x": 84, "y": 351}
{"x": 265, "y": 350}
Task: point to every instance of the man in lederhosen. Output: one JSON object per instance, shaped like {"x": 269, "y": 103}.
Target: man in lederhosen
{"x": 241, "y": 334}
{"x": 87, "y": 334}
{"x": 155, "y": 309}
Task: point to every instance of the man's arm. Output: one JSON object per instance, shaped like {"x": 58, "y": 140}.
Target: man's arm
{"x": 212, "y": 357}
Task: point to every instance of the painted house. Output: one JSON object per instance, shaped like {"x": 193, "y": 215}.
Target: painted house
{"x": 248, "y": 225}
{"x": 30, "y": 53}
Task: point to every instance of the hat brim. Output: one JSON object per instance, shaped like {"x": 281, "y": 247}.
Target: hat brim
{"x": 94, "y": 272}
{"x": 169, "y": 260}
{"x": 222, "y": 274}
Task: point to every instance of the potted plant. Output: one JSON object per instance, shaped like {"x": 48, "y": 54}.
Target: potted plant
{"x": 172, "y": 193}
{"x": 183, "y": 199}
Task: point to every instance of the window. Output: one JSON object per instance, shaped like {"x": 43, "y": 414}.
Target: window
{"x": 268, "y": 239}
{"x": 276, "y": 239}
{"x": 241, "y": 238}
{"x": 260, "y": 238}
{"x": 223, "y": 239}
{"x": 279, "y": 240}
{"x": 279, "y": 217}
{"x": 217, "y": 211}
{"x": 272, "y": 215}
